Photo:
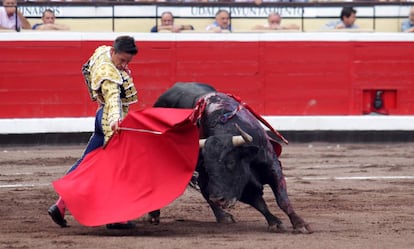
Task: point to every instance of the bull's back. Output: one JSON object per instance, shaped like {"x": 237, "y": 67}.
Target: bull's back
{"x": 183, "y": 95}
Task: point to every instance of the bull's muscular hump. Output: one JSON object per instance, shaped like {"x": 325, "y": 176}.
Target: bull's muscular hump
{"x": 183, "y": 95}
{"x": 228, "y": 173}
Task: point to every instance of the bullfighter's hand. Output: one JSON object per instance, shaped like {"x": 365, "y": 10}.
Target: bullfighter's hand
{"x": 115, "y": 126}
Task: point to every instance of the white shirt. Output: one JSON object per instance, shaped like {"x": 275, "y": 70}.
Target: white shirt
{"x": 8, "y": 22}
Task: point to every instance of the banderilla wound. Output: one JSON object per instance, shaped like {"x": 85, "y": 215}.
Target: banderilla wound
{"x": 140, "y": 130}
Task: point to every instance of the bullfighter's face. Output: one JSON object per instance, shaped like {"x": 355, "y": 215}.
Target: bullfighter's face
{"x": 121, "y": 59}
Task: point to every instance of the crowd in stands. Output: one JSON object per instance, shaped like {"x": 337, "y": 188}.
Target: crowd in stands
{"x": 222, "y": 22}
{"x": 12, "y": 18}
{"x": 10, "y": 15}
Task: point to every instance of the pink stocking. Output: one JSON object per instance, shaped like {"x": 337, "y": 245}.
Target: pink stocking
{"x": 61, "y": 205}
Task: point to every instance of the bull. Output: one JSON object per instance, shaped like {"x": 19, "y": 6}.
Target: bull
{"x": 229, "y": 171}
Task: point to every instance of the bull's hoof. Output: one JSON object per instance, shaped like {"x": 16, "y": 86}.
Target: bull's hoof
{"x": 299, "y": 225}
{"x": 303, "y": 229}
{"x": 277, "y": 228}
{"x": 226, "y": 219}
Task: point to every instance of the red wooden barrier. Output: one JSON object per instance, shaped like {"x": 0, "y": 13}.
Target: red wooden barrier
{"x": 43, "y": 78}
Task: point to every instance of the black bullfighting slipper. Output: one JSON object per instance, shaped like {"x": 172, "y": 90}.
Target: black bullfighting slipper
{"x": 121, "y": 225}
{"x": 57, "y": 216}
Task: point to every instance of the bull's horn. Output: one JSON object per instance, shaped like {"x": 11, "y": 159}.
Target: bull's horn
{"x": 244, "y": 134}
{"x": 238, "y": 140}
{"x": 202, "y": 142}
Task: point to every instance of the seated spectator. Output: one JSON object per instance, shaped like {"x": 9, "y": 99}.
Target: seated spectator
{"x": 222, "y": 22}
{"x": 167, "y": 23}
{"x": 274, "y": 23}
{"x": 348, "y": 17}
{"x": 48, "y": 22}
{"x": 408, "y": 25}
{"x": 8, "y": 16}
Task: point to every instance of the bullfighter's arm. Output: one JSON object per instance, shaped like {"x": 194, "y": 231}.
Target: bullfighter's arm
{"x": 111, "y": 94}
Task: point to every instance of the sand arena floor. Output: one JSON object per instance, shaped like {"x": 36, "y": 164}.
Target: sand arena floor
{"x": 354, "y": 196}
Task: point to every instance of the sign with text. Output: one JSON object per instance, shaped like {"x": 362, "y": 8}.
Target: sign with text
{"x": 149, "y": 11}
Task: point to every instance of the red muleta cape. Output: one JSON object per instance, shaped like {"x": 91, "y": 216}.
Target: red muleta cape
{"x": 144, "y": 167}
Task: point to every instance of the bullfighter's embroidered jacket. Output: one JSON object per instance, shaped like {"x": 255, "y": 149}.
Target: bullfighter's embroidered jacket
{"x": 113, "y": 88}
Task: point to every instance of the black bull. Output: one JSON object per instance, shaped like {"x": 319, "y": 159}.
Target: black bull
{"x": 229, "y": 173}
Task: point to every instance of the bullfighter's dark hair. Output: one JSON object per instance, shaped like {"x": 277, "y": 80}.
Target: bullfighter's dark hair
{"x": 125, "y": 44}
{"x": 347, "y": 12}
